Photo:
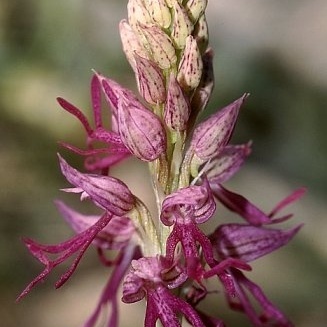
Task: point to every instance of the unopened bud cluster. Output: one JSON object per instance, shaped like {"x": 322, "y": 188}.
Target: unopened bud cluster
{"x": 167, "y": 258}
{"x": 165, "y": 43}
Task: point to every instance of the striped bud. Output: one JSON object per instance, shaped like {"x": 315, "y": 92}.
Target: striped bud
{"x": 190, "y": 67}
{"x": 182, "y": 26}
{"x": 171, "y": 3}
{"x": 160, "y": 46}
{"x": 211, "y": 136}
{"x": 177, "y": 108}
{"x": 160, "y": 12}
{"x": 203, "y": 92}
{"x": 138, "y": 13}
{"x": 131, "y": 43}
{"x": 107, "y": 192}
{"x": 150, "y": 81}
{"x": 201, "y": 33}
{"x": 141, "y": 130}
{"x": 196, "y": 8}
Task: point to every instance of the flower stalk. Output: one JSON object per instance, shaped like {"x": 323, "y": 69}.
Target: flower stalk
{"x": 166, "y": 258}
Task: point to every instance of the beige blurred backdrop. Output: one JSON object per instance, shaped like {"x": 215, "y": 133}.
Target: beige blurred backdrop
{"x": 276, "y": 50}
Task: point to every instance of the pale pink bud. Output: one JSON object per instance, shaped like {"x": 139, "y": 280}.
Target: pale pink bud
{"x": 190, "y": 67}
{"x": 160, "y": 46}
{"x": 160, "y": 12}
{"x": 182, "y": 26}
{"x": 131, "y": 43}
{"x": 138, "y": 13}
{"x": 150, "y": 81}
{"x": 210, "y": 137}
{"x": 196, "y": 8}
{"x": 177, "y": 108}
{"x": 141, "y": 130}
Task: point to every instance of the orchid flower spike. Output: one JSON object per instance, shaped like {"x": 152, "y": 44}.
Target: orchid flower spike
{"x": 165, "y": 257}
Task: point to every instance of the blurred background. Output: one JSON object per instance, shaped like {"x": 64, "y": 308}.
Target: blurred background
{"x": 276, "y": 50}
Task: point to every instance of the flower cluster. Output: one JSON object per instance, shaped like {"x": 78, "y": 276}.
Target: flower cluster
{"x": 166, "y": 259}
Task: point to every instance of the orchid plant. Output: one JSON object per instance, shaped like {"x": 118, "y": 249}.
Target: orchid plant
{"x": 166, "y": 258}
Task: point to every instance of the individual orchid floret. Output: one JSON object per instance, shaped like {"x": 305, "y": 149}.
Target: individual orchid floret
{"x": 97, "y": 158}
{"x": 113, "y": 91}
{"x": 185, "y": 209}
{"x": 182, "y": 26}
{"x": 177, "y": 108}
{"x": 138, "y": 13}
{"x": 141, "y": 130}
{"x": 160, "y": 12}
{"x": 147, "y": 279}
{"x": 150, "y": 81}
{"x": 106, "y": 192}
{"x": 196, "y": 8}
{"x": 203, "y": 92}
{"x": 160, "y": 46}
{"x": 131, "y": 44}
{"x": 191, "y": 65}
{"x": 201, "y": 34}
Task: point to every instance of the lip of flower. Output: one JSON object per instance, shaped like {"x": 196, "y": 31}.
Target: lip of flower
{"x": 146, "y": 279}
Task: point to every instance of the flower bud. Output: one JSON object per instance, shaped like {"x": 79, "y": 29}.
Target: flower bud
{"x": 213, "y": 134}
{"x": 160, "y": 12}
{"x": 201, "y": 34}
{"x": 138, "y": 13}
{"x": 107, "y": 192}
{"x": 182, "y": 26}
{"x": 113, "y": 91}
{"x": 160, "y": 46}
{"x": 141, "y": 130}
{"x": 190, "y": 67}
{"x": 177, "y": 108}
{"x": 195, "y": 8}
{"x": 131, "y": 43}
{"x": 150, "y": 81}
{"x": 203, "y": 92}
{"x": 170, "y": 3}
